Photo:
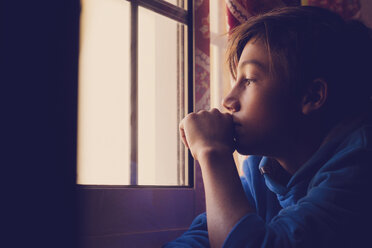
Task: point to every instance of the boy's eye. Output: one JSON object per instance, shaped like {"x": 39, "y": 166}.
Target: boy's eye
{"x": 247, "y": 81}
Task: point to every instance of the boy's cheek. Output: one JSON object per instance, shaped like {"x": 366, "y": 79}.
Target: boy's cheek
{"x": 255, "y": 135}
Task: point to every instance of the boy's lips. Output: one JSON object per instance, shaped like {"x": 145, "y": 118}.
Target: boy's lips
{"x": 237, "y": 126}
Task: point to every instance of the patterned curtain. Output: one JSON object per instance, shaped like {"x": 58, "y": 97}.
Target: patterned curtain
{"x": 238, "y": 11}
{"x": 202, "y": 70}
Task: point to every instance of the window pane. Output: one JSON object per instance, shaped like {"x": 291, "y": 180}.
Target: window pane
{"x": 104, "y": 81}
{"x": 161, "y": 156}
{"x": 179, "y": 3}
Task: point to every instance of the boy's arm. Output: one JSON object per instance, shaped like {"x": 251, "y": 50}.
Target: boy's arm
{"x": 226, "y": 202}
{"x": 209, "y": 135}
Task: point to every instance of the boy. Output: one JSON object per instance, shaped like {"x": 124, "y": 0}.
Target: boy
{"x": 301, "y": 109}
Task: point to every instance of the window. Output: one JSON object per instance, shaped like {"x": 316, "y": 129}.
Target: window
{"x": 135, "y": 85}
{"x": 153, "y": 211}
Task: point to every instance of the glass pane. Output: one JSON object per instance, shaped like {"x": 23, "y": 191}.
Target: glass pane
{"x": 179, "y": 3}
{"x": 104, "y": 110}
{"x": 161, "y": 89}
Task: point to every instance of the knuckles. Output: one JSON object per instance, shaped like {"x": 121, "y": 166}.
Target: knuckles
{"x": 215, "y": 111}
{"x": 191, "y": 116}
{"x": 204, "y": 115}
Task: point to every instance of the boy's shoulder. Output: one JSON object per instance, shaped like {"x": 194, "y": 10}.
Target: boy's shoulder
{"x": 359, "y": 137}
{"x": 351, "y": 133}
{"x": 347, "y": 156}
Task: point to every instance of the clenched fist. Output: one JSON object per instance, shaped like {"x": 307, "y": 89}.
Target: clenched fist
{"x": 208, "y": 131}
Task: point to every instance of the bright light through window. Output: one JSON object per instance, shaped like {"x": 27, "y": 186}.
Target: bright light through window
{"x": 159, "y": 93}
{"x": 104, "y": 128}
{"x": 104, "y": 80}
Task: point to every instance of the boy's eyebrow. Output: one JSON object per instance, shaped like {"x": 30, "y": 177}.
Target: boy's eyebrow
{"x": 252, "y": 61}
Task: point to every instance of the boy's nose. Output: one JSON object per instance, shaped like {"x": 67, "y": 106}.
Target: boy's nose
{"x": 231, "y": 103}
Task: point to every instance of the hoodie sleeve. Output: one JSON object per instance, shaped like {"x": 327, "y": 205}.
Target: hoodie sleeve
{"x": 195, "y": 236}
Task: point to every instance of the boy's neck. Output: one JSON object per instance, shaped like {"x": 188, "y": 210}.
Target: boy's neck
{"x": 304, "y": 147}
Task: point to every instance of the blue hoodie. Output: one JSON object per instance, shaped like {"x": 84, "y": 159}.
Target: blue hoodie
{"x": 326, "y": 203}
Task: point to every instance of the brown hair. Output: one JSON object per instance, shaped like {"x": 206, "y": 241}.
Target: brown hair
{"x": 305, "y": 43}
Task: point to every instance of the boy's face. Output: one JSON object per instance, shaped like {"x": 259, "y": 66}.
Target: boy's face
{"x": 263, "y": 111}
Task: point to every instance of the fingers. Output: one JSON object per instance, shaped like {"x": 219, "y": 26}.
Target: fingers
{"x": 202, "y": 124}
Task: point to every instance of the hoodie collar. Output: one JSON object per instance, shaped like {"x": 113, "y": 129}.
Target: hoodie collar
{"x": 289, "y": 189}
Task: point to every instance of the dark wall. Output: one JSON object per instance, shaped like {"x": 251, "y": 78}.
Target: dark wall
{"x": 38, "y": 78}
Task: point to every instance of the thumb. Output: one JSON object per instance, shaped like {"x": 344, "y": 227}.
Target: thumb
{"x": 183, "y": 135}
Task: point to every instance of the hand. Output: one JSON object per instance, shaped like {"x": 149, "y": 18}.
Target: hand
{"x": 208, "y": 131}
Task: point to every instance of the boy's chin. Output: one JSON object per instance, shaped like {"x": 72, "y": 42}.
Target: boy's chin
{"x": 243, "y": 150}
{"x": 247, "y": 149}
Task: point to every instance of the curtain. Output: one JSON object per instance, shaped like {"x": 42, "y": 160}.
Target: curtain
{"x": 202, "y": 70}
{"x": 238, "y": 11}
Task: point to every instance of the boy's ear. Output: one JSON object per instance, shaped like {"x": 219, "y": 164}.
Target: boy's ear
{"x": 315, "y": 96}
